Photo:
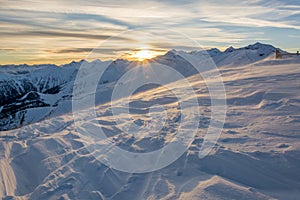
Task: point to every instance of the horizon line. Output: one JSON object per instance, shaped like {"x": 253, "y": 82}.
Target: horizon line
{"x": 67, "y": 61}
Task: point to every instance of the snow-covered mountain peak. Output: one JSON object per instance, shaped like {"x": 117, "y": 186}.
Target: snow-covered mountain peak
{"x": 214, "y": 52}
{"x": 173, "y": 51}
{"x": 229, "y": 49}
{"x": 260, "y": 46}
{"x": 257, "y": 46}
{"x": 97, "y": 61}
{"x": 80, "y": 62}
{"x": 202, "y": 52}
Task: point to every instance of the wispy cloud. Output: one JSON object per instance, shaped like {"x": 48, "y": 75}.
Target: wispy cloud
{"x": 46, "y": 30}
{"x": 63, "y": 34}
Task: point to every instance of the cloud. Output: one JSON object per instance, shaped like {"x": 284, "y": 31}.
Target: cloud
{"x": 63, "y": 34}
{"x": 89, "y": 50}
{"x": 39, "y": 27}
{"x": 8, "y": 49}
{"x": 61, "y": 21}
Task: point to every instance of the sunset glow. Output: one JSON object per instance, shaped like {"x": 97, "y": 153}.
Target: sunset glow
{"x": 32, "y": 32}
{"x": 142, "y": 55}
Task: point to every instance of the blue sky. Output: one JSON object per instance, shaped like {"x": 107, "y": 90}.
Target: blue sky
{"x": 60, "y": 31}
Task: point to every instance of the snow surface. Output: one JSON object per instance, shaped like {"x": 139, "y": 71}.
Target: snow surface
{"x": 256, "y": 157}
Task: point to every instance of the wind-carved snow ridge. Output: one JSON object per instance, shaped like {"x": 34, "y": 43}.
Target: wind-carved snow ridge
{"x": 256, "y": 156}
{"x": 137, "y": 76}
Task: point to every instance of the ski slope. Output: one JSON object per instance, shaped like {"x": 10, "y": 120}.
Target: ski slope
{"x": 256, "y": 157}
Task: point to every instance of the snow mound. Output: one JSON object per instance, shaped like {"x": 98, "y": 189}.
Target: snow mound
{"x": 217, "y": 188}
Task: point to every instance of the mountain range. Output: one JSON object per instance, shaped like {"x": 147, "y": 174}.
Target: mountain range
{"x": 32, "y": 93}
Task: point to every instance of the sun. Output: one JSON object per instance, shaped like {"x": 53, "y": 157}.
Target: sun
{"x": 143, "y": 54}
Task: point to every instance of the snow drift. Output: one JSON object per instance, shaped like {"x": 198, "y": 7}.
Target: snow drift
{"x": 256, "y": 157}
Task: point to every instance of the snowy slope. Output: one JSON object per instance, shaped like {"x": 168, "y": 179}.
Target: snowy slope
{"x": 245, "y": 55}
{"x": 256, "y": 157}
{"x": 56, "y": 82}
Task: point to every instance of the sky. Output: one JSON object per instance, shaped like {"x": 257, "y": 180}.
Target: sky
{"x": 58, "y": 32}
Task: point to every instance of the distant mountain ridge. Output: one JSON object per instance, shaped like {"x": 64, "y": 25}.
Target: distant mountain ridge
{"x": 212, "y": 52}
{"x": 50, "y": 86}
